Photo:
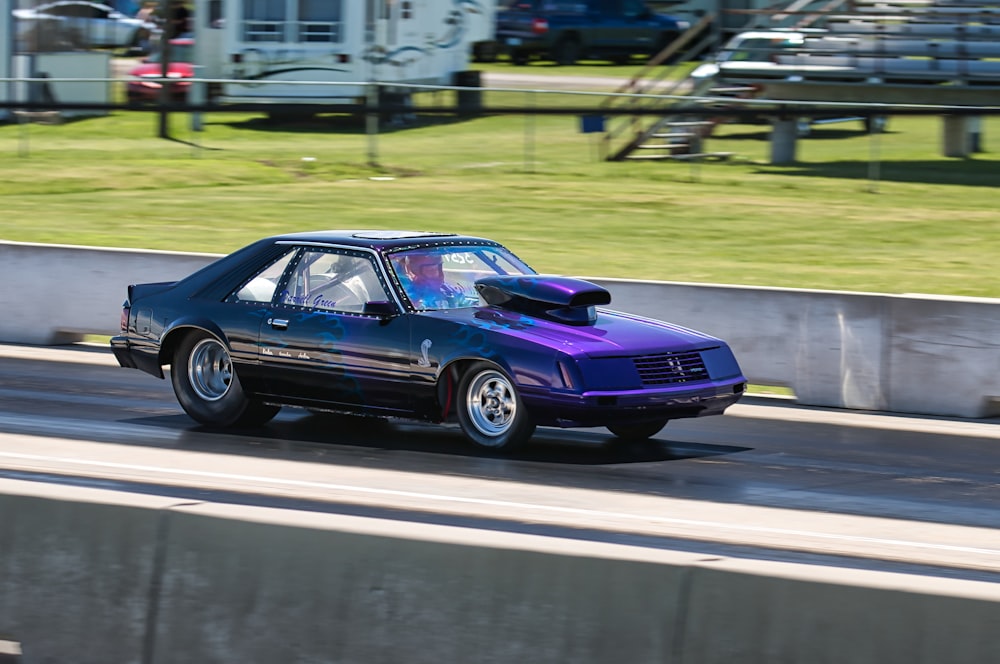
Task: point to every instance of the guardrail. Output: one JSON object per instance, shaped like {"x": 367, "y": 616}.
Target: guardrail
{"x": 918, "y": 354}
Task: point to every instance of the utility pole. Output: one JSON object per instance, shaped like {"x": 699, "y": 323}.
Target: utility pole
{"x": 165, "y": 34}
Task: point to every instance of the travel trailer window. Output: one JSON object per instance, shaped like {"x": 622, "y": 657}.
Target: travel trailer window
{"x": 264, "y": 20}
{"x": 307, "y": 20}
{"x": 320, "y": 21}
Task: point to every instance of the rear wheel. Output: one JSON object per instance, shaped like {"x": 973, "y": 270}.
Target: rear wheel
{"x": 208, "y": 389}
{"x": 490, "y": 411}
{"x": 662, "y": 42}
{"x": 638, "y": 430}
{"x": 135, "y": 45}
{"x": 567, "y": 51}
{"x": 484, "y": 51}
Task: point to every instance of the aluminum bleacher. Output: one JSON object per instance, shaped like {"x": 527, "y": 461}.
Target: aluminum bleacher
{"x": 900, "y": 52}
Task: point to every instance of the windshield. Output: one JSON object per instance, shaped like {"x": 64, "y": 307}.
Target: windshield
{"x": 758, "y": 49}
{"x": 445, "y": 277}
{"x": 178, "y": 53}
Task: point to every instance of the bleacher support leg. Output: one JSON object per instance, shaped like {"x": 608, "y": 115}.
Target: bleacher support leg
{"x": 957, "y": 137}
{"x": 784, "y": 133}
{"x": 976, "y": 134}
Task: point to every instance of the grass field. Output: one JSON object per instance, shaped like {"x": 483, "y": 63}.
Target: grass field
{"x": 916, "y": 223}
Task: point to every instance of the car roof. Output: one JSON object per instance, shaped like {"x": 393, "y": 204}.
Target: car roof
{"x": 381, "y": 240}
{"x": 64, "y": 3}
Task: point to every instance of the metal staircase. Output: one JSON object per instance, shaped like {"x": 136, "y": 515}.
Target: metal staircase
{"x": 646, "y": 134}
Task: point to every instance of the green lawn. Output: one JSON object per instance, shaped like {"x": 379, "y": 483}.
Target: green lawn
{"x": 919, "y": 223}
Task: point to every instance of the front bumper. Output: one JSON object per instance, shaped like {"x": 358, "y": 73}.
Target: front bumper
{"x": 594, "y": 409}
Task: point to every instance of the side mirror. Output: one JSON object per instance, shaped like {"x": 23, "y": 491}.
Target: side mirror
{"x": 380, "y": 308}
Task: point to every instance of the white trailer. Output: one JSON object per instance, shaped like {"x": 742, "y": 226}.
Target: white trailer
{"x": 323, "y": 51}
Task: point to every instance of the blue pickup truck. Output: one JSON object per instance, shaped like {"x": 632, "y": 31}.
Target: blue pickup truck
{"x": 593, "y": 29}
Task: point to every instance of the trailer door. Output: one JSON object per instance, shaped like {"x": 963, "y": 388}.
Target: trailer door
{"x": 383, "y": 38}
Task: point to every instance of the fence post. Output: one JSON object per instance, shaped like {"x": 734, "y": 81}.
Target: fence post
{"x": 469, "y": 102}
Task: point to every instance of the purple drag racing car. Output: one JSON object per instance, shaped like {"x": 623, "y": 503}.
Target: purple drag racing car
{"x": 429, "y": 326}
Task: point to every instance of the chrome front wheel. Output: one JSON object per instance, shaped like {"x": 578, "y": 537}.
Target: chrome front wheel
{"x": 491, "y": 413}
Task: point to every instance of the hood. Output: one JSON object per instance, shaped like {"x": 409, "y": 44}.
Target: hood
{"x": 706, "y": 70}
{"x": 613, "y": 334}
{"x": 559, "y": 299}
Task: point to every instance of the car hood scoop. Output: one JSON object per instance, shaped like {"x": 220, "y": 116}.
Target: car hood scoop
{"x": 559, "y": 299}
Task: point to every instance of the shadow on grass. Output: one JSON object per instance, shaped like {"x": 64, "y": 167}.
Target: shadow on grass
{"x": 355, "y": 123}
{"x": 966, "y": 172}
{"x": 762, "y": 132}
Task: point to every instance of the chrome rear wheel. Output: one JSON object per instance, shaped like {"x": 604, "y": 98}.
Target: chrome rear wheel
{"x": 210, "y": 369}
{"x": 207, "y": 387}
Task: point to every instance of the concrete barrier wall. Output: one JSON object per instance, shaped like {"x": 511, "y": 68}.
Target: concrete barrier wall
{"x": 92, "y": 577}
{"x": 56, "y": 293}
{"x": 908, "y": 354}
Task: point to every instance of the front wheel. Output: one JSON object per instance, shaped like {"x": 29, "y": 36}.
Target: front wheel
{"x": 638, "y": 430}
{"x": 208, "y": 389}
{"x": 490, "y": 410}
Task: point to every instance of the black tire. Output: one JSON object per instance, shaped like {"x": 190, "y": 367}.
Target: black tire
{"x": 484, "y": 51}
{"x": 662, "y": 42}
{"x": 566, "y": 50}
{"x": 638, "y": 430}
{"x": 208, "y": 389}
{"x": 490, "y": 410}
{"x": 519, "y": 58}
{"x": 138, "y": 37}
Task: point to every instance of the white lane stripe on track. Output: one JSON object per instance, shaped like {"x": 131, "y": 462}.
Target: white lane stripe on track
{"x": 534, "y": 507}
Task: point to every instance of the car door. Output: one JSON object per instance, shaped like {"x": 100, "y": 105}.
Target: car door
{"x": 633, "y": 31}
{"x": 318, "y": 347}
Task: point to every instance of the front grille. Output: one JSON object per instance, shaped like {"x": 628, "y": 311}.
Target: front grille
{"x": 670, "y": 368}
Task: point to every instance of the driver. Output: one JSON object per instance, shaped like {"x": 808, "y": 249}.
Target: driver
{"x": 425, "y": 283}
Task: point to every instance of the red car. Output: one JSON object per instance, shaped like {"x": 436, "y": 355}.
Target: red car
{"x": 143, "y": 80}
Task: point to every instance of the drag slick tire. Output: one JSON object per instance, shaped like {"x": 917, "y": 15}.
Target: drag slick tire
{"x": 490, "y": 410}
{"x": 207, "y": 387}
